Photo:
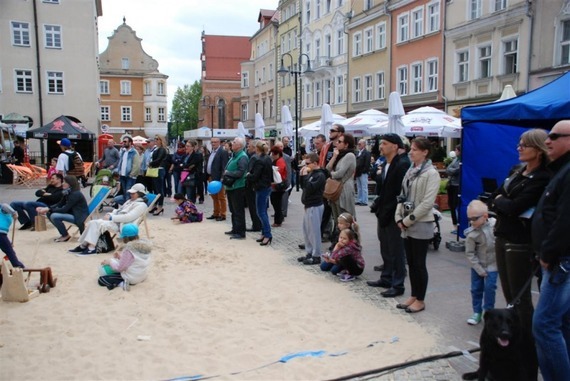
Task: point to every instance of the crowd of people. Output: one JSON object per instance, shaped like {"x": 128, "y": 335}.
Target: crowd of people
{"x": 521, "y": 231}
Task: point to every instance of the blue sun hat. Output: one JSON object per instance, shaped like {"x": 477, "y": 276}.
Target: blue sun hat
{"x": 129, "y": 230}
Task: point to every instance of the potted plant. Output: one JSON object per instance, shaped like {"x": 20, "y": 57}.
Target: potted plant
{"x": 441, "y": 199}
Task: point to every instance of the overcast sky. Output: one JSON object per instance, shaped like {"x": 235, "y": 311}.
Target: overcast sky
{"x": 170, "y": 29}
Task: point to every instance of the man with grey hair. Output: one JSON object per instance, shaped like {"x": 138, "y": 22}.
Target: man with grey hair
{"x": 361, "y": 173}
{"x": 236, "y": 170}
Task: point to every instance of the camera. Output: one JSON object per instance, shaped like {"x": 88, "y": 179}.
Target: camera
{"x": 408, "y": 207}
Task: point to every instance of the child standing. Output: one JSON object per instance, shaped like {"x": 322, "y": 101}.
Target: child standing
{"x": 51, "y": 169}
{"x": 344, "y": 221}
{"x": 7, "y": 215}
{"x": 347, "y": 254}
{"x": 480, "y": 251}
{"x": 131, "y": 265}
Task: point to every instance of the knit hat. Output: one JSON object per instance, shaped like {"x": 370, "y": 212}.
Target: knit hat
{"x": 393, "y": 138}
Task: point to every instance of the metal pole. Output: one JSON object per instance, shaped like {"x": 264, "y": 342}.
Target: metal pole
{"x": 212, "y": 115}
{"x": 297, "y": 156}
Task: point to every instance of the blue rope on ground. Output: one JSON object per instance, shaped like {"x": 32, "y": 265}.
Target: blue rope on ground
{"x": 285, "y": 359}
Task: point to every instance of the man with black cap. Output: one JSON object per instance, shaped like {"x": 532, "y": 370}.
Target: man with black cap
{"x": 388, "y": 187}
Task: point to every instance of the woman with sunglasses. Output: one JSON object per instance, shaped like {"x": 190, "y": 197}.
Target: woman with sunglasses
{"x": 342, "y": 167}
{"x": 159, "y": 158}
{"x": 513, "y": 203}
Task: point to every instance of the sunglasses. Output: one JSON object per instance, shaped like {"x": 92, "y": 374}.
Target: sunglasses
{"x": 473, "y": 219}
{"x": 554, "y": 136}
{"x": 340, "y": 141}
{"x": 334, "y": 130}
{"x": 523, "y": 146}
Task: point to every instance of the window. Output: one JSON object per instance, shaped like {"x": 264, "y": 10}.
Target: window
{"x": 328, "y": 46}
{"x": 474, "y": 9}
{"x": 271, "y": 107}
{"x": 417, "y": 78}
{"x": 318, "y": 48}
{"x": 126, "y": 114}
{"x": 380, "y": 86}
{"x": 432, "y": 75}
{"x": 308, "y": 11}
{"x": 500, "y": 5}
{"x": 147, "y": 114}
{"x": 162, "y": 114}
{"x": 308, "y": 95}
{"x": 55, "y": 82}
{"x": 245, "y": 79}
{"x": 485, "y": 61}
{"x": 147, "y": 88}
{"x": 403, "y": 27}
{"x": 511, "y": 52}
{"x": 565, "y": 43}
{"x": 263, "y": 79}
{"x": 20, "y": 33}
{"x": 418, "y": 22}
{"x": 104, "y": 87}
{"x": 403, "y": 80}
{"x": 381, "y": 35}
{"x": 368, "y": 85}
{"x": 327, "y": 89}
{"x": 339, "y": 89}
{"x": 271, "y": 72}
{"x": 52, "y": 36}
{"x": 433, "y": 17}
{"x": 340, "y": 42}
{"x": 222, "y": 113}
{"x": 160, "y": 90}
{"x": 317, "y": 9}
{"x": 368, "y": 40}
{"x": 357, "y": 44}
{"x": 318, "y": 101}
{"x": 105, "y": 113}
{"x": 328, "y": 6}
{"x": 463, "y": 66}
{"x": 51, "y": 1}
{"x": 125, "y": 87}
{"x": 23, "y": 81}
{"x": 368, "y": 4}
{"x": 356, "y": 90}
{"x": 125, "y": 64}
{"x": 244, "y": 112}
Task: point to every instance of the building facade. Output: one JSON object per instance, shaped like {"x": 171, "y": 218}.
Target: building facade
{"x": 48, "y": 60}
{"x": 132, "y": 90}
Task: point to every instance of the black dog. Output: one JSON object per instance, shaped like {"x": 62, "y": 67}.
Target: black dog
{"x": 501, "y": 356}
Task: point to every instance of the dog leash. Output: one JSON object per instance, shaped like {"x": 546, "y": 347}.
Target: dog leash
{"x": 517, "y": 298}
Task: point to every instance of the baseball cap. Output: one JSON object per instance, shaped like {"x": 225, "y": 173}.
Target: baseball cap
{"x": 64, "y": 142}
{"x": 129, "y": 230}
{"x": 138, "y": 187}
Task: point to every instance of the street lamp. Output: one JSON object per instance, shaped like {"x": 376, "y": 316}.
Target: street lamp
{"x": 283, "y": 71}
{"x": 211, "y": 105}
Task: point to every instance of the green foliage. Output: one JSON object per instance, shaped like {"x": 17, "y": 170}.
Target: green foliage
{"x": 184, "y": 113}
{"x": 443, "y": 186}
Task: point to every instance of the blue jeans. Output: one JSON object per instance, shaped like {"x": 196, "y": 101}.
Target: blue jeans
{"x": 57, "y": 221}
{"x": 261, "y": 204}
{"x": 6, "y": 247}
{"x": 362, "y": 188}
{"x": 126, "y": 184}
{"x": 334, "y": 269}
{"x": 26, "y": 210}
{"x": 551, "y": 323}
{"x": 483, "y": 291}
{"x": 159, "y": 186}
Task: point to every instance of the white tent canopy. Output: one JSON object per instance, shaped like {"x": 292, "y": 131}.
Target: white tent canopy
{"x": 429, "y": 121}
{"x": 313, "y": 129}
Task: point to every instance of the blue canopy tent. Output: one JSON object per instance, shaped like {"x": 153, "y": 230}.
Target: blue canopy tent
{"x": 491, "y": 133}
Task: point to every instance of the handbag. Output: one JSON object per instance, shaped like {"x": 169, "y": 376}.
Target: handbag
{"x": 105, "y": 243}
{"x": 333, "y": 189}
{"x": 40, "y": 223}
{"x": 228, "y": 180}
{"x": 189, "y": 180}
{"x": 276, "y": 175}
{"x": 152, "y": 172}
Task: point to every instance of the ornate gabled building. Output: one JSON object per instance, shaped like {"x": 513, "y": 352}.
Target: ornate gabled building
{"x": 133, "y": 92}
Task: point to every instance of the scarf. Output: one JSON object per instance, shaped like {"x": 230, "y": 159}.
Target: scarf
{"x": 412, "y": 174}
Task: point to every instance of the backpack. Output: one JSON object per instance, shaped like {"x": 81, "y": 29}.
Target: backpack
{"x": 76, "y": 167}
{"x": 105, "y": 243}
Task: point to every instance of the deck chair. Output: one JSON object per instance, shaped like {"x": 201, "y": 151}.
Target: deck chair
{"x": 94, "y": 205}
{"x": 22, "y": 175}
{"x": 151, "y": 200}
{"x": 14, "y": 288}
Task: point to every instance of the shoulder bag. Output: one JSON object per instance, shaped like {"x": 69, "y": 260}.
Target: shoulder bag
{"x": 152, "y": 172}
{"x": 333, "y": 189}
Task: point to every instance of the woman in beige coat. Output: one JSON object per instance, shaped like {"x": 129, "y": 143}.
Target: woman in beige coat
{"x": 414, "y": 216}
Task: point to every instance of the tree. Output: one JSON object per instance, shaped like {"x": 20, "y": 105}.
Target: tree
{"x": 184, "y": 113}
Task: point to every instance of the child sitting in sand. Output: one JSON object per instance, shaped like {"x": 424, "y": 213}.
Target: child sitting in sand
{"x": 347, "y": 254}
{"x": 186, "y": 211}
{"x": 131, "y": 265}
{"x": 7, "y": 215}
{"x": 344, "y": 221}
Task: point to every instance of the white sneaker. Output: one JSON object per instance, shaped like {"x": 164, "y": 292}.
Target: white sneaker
{"x": 125, "y": 285}
{"x": 474, "y": 319}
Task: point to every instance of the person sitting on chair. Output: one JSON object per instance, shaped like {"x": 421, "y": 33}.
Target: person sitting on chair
{"x": 48, "y": 196}
{"x": 129, "y": 212}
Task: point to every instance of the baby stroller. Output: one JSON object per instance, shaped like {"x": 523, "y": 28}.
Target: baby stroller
{"x": 106, "y": 178}
{"x": 436, "y": 240}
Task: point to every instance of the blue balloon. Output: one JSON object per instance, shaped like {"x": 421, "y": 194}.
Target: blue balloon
{"x": 214, "y": 187}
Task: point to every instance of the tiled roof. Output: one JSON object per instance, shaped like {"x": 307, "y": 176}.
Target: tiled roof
{"x": 224, "y": 55}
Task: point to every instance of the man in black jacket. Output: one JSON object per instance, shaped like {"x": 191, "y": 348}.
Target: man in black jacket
{"x": 361, "y": 173}
{"x": 388, "y": 187}
{"x": 48, "y": 196}
{"x": 215, "y": 168}
{"x": 313, "y": 180}
{"x": 249, "y": 191}
{"x": 551, "y": 241}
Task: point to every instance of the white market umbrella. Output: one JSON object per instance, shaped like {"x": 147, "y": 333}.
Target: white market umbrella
{"x": 326, "y": 119}
{"x": 241, "y": 130}
{"x": 286, "y": 121}
{"x": 508, "y": 93}
{"x": 362, "y": 122}
{"x": 395, "y": 113}
{"x": 429, "y": 121}
{"x": 259, "y": 126}
{"x": 313, "y": 129}
{"x": 139, "y": 140}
